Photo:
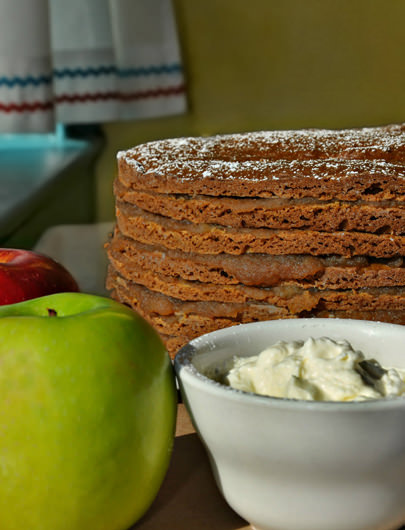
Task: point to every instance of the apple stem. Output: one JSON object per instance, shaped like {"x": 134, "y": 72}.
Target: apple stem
{"x": 52, "y": 312}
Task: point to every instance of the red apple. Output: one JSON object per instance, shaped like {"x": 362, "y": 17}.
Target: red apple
{"x": 25, "y": 274}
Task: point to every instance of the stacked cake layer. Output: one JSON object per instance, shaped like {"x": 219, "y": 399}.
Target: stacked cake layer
{"x": 216, "y": 231}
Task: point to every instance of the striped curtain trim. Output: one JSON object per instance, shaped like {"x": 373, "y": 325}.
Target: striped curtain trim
{"x": 121, "y": 96}
{"x": 36, "y": 106}
{"x": 11, "y": 82}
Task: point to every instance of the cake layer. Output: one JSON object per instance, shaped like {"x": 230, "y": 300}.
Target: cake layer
{"x": 171, "y": 317}
{"x": 191, "y": 319}
{"x": 366, "y": 143}
{"x": 215, "y": 239}
{"x": 287, "y": 179}
{"x": 173, "y": 343}
{"x": 392, "y": 317}
{"x": 313, "y": 214}
{"x": 295, "y": 298}
{"x": 347, "y": 164}
{"x": 257, "y": 269}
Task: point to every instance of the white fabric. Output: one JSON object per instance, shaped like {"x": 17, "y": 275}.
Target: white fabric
{"x": 85, "y": 62}
{"x": 79, "y": 248}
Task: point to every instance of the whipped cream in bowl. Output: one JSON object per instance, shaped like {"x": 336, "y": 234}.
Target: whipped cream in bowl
{"x": 312, "y": 437}
{"x": 317, "y": 369}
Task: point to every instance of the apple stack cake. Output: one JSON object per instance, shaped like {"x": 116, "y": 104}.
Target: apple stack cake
{"x": 216, "y": 231}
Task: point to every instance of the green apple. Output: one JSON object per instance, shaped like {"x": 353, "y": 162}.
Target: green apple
{"x": 87, "y": 414}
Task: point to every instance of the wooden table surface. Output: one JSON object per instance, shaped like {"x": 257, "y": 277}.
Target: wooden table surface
{"x": 189, "y": 498}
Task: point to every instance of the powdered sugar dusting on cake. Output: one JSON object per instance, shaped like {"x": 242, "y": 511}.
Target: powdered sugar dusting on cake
{"x": 319, "y": 154}
{"x": 259, "y": 170}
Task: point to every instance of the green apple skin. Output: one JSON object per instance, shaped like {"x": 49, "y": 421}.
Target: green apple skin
{"x": 87, "y": 414}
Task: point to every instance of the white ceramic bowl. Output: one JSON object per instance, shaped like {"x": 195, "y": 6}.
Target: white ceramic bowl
{"x": 286, "y": 464}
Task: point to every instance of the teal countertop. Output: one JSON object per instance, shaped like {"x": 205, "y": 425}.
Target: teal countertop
{"x": 45, "y": 180}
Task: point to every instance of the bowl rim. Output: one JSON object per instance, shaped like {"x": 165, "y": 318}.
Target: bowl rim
{"x": 187, "y": 372}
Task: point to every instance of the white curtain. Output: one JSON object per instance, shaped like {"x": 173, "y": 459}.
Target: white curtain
{"x": 87, "y": 61}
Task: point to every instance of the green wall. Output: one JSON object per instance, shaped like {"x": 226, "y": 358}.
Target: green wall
{"x": 268, "y": 64}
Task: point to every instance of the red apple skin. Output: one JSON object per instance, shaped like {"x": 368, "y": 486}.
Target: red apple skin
{"x": 25, "y": 274}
